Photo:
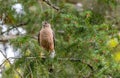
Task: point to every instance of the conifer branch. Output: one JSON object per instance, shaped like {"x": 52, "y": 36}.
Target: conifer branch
{"x": 7, "y": 38}
{"x": 76, "y": 60}
{"x": 61, "y": 59}
{"x": 10, "y": 63}
{"x": 16, "y": 26}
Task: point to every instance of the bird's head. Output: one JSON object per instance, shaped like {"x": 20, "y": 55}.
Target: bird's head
{"x": 45, "y": 24}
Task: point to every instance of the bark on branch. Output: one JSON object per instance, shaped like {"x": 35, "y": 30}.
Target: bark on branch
{"x": 51, "y": 5}
{"x": 10, "y": 63}
{"x": 16, "y": 26}
{"x": 7, "y": 38}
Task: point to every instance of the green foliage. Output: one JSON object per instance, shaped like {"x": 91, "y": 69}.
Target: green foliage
{"x": 108, "y": 2}
{"x": 79, "y": 35}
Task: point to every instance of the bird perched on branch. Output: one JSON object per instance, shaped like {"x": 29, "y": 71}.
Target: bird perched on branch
{"x": 46, "y": 38}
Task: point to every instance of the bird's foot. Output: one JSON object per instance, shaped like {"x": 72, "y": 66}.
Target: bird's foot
{"x": 52, "y": 54}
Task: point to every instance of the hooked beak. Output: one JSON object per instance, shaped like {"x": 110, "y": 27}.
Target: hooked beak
{"x": 44, "y": 23}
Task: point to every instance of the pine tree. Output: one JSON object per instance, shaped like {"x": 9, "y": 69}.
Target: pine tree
{"x": 84, "y": 40}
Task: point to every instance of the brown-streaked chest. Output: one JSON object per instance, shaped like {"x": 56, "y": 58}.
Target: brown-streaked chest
{"x": 46, "y": 33}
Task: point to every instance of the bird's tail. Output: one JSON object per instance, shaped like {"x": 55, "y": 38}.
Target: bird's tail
{"x": 52, "y": 54}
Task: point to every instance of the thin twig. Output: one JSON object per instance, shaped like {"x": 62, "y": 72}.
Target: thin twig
{"x": 10, "y": 63}
{"x": 76, "y": 60}
{"x": 31, "y": 75}
{"x": 16, "y": 26}
{"x": 7, "y": 38}
{"x": 2, "y": 63}
{"x": 51, "y": 5}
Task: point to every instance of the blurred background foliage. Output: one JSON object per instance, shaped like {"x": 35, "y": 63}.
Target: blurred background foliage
{"x": 89, "y": 32}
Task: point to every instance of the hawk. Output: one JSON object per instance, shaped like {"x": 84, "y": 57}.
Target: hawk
{"x": 46, "y": 38}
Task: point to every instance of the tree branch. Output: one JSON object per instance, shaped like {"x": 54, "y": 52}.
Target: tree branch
{"x": 15, "y": 26}
{"x": 61, "y": 59}
{"x": 10, "y": 63}
{"x": 51, "y": 5}
{"x": 7, "y": 38}
{"x": 76, "y": 60}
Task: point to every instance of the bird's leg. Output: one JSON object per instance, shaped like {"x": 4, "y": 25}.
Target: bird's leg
{"x": 52, "y": 54}
{"x": 51, "y": 65}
